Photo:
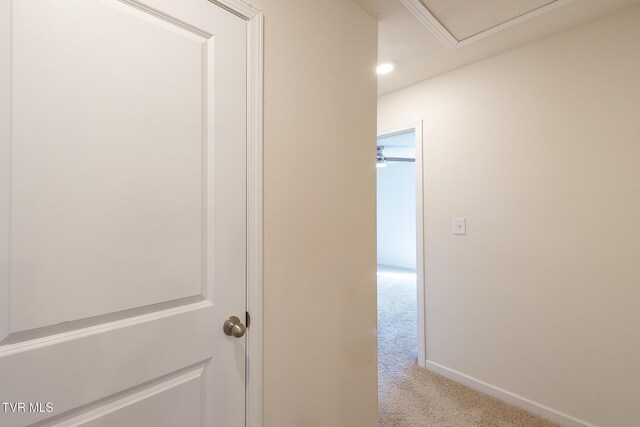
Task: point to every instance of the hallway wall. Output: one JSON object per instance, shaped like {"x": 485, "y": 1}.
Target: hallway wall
{"x": 319, "y": 219}
{"x": 539, "y": 149}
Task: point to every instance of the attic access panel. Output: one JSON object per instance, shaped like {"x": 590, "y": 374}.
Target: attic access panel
{"x": 466, "y": 18}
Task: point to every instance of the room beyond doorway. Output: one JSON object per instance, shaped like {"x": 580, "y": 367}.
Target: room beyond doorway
{"x": 396, "y": 200}
{"x": 400, "y": 216}
{"x": 399, "y": 257}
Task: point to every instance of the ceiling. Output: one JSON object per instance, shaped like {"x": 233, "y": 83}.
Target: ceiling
{"x": 465, "y": 31}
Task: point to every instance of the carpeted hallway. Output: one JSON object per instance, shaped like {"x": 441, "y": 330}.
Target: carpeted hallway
{"x": 412, "y": 396}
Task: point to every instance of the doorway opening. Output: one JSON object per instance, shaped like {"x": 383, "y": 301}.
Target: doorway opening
{"x": 400, "y": 278}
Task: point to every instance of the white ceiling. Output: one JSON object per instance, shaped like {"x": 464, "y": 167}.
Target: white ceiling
{"x": 419, "y": 54}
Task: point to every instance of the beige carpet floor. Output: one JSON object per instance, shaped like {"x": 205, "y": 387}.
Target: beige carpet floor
{"x": 410, "y": 396}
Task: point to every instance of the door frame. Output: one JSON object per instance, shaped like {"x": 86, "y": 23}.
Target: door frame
{"x": 255, "y": 113}
{"x": 416, "y": 127}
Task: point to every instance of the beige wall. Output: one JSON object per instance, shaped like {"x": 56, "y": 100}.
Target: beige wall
{"x": 539, "y": 148}
{"x": 319, "y": 183}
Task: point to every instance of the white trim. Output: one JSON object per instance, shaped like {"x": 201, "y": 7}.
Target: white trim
{"x": 420, "y": 276}
{"x": 424, "y": 15}
{"x": 239, "y": 7}
{"x": 383, "y": 263}
{"x": 255, "y": 114}
{"x": 254, "y": 223}
{"x": 420, "y": 250}
{"x": 506, "y": 396}
{"x": 6, "y": 147}
{"x": 427, "y": 19}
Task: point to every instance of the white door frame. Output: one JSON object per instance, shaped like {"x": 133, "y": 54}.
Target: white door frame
{"x": 420, "y": 276}
{"x": 255, "y": 19}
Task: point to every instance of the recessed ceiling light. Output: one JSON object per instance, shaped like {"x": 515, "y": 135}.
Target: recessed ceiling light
{"x": 385, "y": 68}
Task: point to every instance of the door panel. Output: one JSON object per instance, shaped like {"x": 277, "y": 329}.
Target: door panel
{"x": 124, "y": 212}
{"x": 181, "y": 393}
{"x": 99, "y": 363}
{"x": 122, "y": 228}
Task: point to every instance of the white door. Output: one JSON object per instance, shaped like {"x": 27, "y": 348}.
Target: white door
{"x": 122, "y": 212}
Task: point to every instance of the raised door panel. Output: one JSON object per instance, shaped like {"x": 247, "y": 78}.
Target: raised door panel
{"x": 176, "y": 400}
{"x": 77, "y": 368}
{"x": 109, "y": 126}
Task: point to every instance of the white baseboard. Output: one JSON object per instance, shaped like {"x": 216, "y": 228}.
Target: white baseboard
{"x": 514, "y": 399}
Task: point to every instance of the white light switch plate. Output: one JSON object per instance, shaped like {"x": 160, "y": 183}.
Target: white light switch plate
{"x": 459, "y": 226}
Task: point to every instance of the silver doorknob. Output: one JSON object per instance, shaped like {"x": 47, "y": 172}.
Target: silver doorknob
{"x": 234, "y": 327}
